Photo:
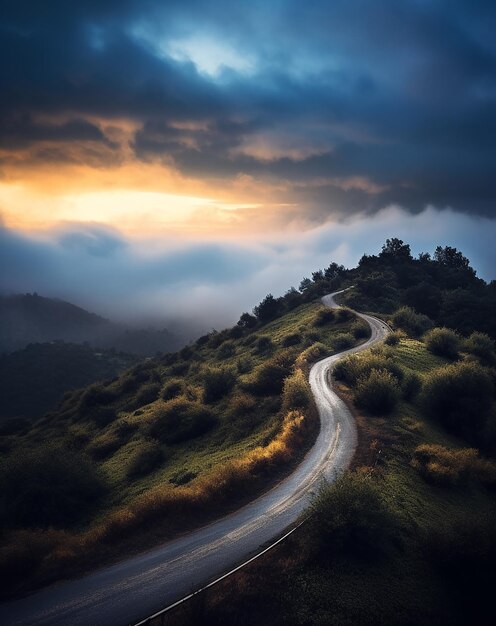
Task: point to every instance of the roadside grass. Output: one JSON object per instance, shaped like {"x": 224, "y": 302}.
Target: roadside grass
{"x": 431, "y": 573}
{"x": 196, "y": 474}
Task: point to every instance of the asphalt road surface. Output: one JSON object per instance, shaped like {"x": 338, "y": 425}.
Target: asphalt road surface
{"x": 142, "y": 585}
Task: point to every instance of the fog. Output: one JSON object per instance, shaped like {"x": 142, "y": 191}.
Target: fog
{"x": 206, "y": 285}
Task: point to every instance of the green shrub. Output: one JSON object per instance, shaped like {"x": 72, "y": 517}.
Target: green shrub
{"x": 392, "y": 339}
{"x": 291, "y": 340}
{"x": 315, "y": 352}
{"x": 179, "y": 369}
{"x": 354, "y": 367}
{"x": 147, "y": 394}
{"x": 378, "y": 393}
{"x": 411, "y": 386}
{"x": 344, "y": 314}
{"x": 442, "y": 465}
{"x": 459, "y": 396}
{"x": 296, "y": 392}
{"x": 443, "y": 342}
{"x": 172, "y": 389}
{"x": 242, "y": 404}
{"x": 105, "y": 445}
{"x": 342, "y": 341}
{"x": 323, "y": 317}
{"x": 48, "y": 486}
{"x": 263, "y": 344}
{"x": 226, "y": 350}
{"x": 145, "y": 459}
{"x": 481, "y": 346}
{"x": 93, "y": 397}
{"x": 179, "y": 420}
{"x": 414, "y": 324}
{"x": 244, "y": 365}
{"x": 217, "y": 383}
{"x": 268, "y": 378}
{"x": 350, "y": 518}
{"x": 360, "y": 330}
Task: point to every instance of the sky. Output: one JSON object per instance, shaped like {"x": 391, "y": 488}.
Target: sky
{"x": 185, "y": 158}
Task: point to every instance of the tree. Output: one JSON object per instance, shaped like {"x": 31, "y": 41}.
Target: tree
{"x": 451, "y": 257}
{"x": 268, "y": 309}
{"x": 333, "y": 271}
{"x": 247, "y": 321}
{"x": 317, "y": 276}
{"x": 305, "y": 284}
{"x": 395, "y": 249}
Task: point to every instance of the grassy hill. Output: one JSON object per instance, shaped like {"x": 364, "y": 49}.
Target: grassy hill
{"x": 172, "y": 442}
{"x": 182, "y": 438}
{"x": 407, "y": 537}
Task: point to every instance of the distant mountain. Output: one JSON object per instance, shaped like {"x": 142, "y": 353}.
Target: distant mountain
{"x": 33, "y": 380}
{"x": 31, "y": 318}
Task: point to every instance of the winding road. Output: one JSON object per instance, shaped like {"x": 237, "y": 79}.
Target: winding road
{"x": 133, "y": 589}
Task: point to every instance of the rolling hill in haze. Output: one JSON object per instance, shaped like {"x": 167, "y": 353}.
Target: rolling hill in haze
{"x": 32, "y": 318}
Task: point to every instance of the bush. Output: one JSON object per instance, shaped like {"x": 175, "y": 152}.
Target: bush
{"x": 179, "y": 420}
{"x": 323, "y": 317}
{"x": 392, "y": 339}
{"x": 442, "y": 465}
{"x": 459, "y": 396}
{"x": 105, "y": 445}
{"x": 349, "y": 517}
{"x": 414, "y": 324}
{"x": 179, "y": 369}
{"x": 342, "y": 341}
{"x": 378, "y": 393}
{"x": 145, "y": 459}
{"x": 344, "y": 314}
{"x": 296, "y": 392}
{"x": 242, "y": 404}
{"x": 217, "y": 383}
{"x": 411, "y": 386}
{"x": 313, "y": 353}
{"x": 443, "y": 342}
{"x": 268, "y": 378}
{"x": 147, "y": 394}
{"x": 96, "y": 395}
{"x": 263, "y": 344}
{"x": 244, "y": 365}
{"x": 226, "y": 349}
{"x": 172, "y": 389}
{"x": 354, "y": 367}
{"x": 48, "y": 486}
{"x": 291, "y": 340}
{"x": 481, "y": 346}
{"x": 360, "y": 330}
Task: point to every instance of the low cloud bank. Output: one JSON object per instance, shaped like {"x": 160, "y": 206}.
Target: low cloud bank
{"x": 210, "y": 283}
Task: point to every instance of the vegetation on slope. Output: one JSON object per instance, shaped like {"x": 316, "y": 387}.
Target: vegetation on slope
{"x": 408, "y": 536}
{"x": 170, "y": 443}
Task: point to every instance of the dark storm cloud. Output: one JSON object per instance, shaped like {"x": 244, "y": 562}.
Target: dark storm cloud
{"x": 399, "y": 93}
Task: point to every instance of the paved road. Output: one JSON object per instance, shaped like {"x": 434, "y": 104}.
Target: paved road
{"x": 129, "y": 591}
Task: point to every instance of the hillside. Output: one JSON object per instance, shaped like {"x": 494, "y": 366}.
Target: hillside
{"x": 166, "y": 443}
{"x": 33, "y": 380}
{"x": 407, "y": 537}
{"x": 183, "y": 438}
{"x": 31, "y": 318}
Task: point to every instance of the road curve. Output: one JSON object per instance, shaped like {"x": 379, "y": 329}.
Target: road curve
{"x": 129, "y": 591}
